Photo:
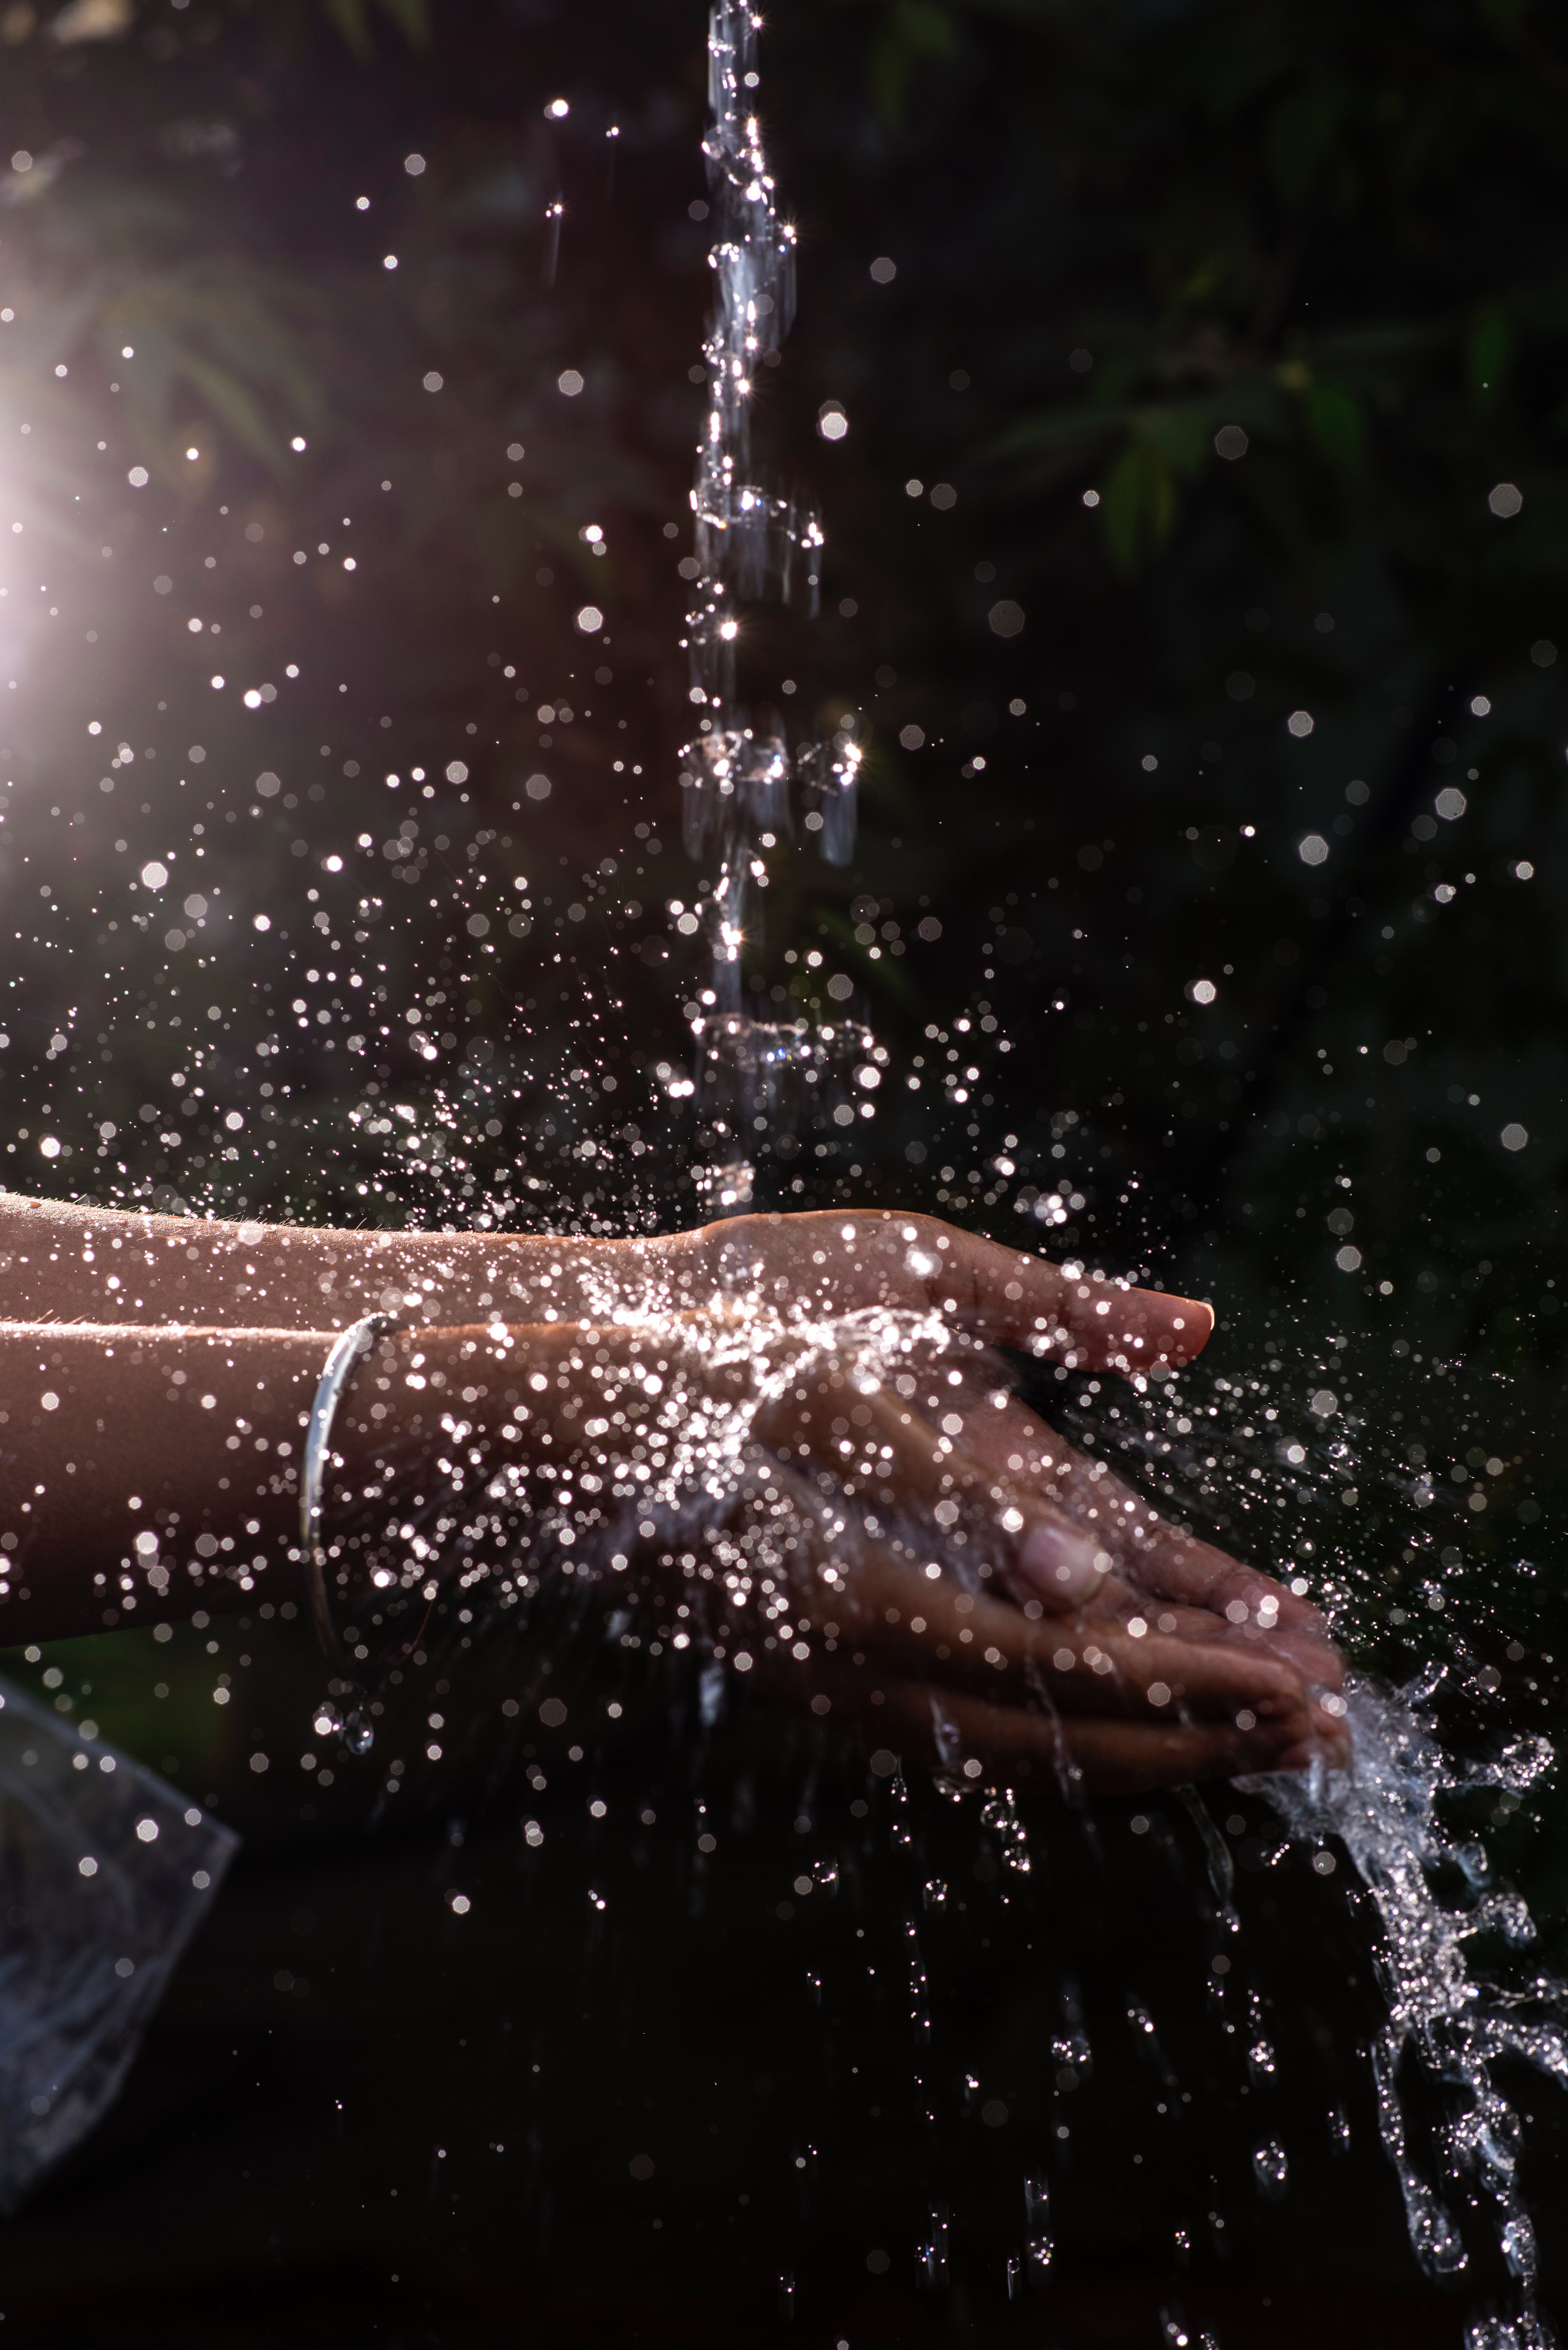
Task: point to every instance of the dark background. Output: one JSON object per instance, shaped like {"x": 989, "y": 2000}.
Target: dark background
{"x": 1214, "y": 330}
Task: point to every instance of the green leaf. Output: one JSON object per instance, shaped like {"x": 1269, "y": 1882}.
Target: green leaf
{"x": 1336, "y": 426}
{"x": 1490, "y": 353}
{"x": 926, "y": 27}
{"x": 230, "y": 334}
{"x": 1185, "y": 435}
{"x": 352, "y": 20}
{"x": 1301, "y": 134}
{"x": 915, "y": 30}
{"x": 414, "y": 17}
{"x": 349, "y": 17}
{"x": 1138, "y": 508}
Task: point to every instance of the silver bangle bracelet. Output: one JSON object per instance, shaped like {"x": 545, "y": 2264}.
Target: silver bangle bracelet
{"x": 349, "y": 1349}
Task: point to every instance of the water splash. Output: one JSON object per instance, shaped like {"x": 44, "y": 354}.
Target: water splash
{"x": 776, "y": 1079}
{"x": 1453, "y": 2027}
{"x": 1070, "y": 2047}
{"x": 934, "y": 2251}
{"x": 1038, "y": 2247}
{"x": 1237, "y": 1462}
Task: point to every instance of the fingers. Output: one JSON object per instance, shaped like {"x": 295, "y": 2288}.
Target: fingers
{"x": 1155, "y": 1558}
{"x": 888, "y": 1616}
{"x": 1152, "y": 1555}
{"x": 881, "y": 1450}
{"x": 837, "y": 1261}
{"x": 1094, "y": 1670}
{"x": 1254, "y": 1608}
{"x": 1105, "y": 1757}
{"x": 1082, "y": 1318}
{"x": 873, "y": 1633}
{"x": 1090, "y": 1660}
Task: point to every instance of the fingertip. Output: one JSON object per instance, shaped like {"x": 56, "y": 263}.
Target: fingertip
{"x": 1060, "y": 1563}
{"x": 1191, "y": 1326}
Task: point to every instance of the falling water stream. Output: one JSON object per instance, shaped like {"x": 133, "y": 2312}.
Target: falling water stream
{"x": 744, "y": 790}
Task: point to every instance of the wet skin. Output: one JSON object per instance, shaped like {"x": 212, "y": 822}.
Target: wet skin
{"x": 1098, "y": 1641}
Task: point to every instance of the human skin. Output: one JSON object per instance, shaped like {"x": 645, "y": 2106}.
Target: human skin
{"x": 61, "y": 1261}
{"x": 67, "y": 1262}
{"x": 131, "y": 1423}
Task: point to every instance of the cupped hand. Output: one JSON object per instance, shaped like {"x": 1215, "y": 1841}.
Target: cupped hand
{"x": 834, "y": 1261}
{"x": 1209, "y": 1595}
{"x": 956, "y": 1444}
{"x": 831, "y": 1616}
{"x": 843, "y": 1579}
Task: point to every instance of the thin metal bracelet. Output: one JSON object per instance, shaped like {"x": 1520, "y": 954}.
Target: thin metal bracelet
{"x": 349, "y": 1349}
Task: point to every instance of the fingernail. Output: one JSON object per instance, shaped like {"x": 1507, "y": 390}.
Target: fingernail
{"x": 1060, "y": 1563}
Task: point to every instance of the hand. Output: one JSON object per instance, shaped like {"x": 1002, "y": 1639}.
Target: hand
{"x": 1213, "y": 1597}
{"x": 800, "y": 1593}
{"x": 631, "y": 1407}
{"x": 1070, "y": 1535}
{"x": 840, "y": 1574}
{"x": 836, "y": 1262}
{"x": 74, "y": 1264}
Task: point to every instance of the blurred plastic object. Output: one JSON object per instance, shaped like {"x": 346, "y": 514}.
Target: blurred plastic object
{"x": 105, "y": 1873}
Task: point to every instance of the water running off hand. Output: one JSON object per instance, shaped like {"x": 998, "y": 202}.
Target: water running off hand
{"x": 1448, "y": 2031}
{"x": 1454, "y": 2027}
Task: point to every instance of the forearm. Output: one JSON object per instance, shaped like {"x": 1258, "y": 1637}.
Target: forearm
{"x": 148, "y": 1472}
{"x": 64, "y": 1263}
{"x": 125, "y": 1454}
